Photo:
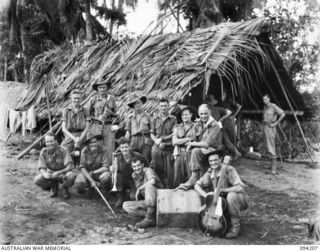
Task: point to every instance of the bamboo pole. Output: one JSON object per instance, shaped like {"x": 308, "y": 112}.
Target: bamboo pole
{"x": 48, "y": 103}
{"x": 287, "y": 112}
{"x": 26, "y": 151}
{"x": 295, "y": 116}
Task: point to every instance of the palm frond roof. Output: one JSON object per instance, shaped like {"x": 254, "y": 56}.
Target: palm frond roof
{"x": 167, "y": 65}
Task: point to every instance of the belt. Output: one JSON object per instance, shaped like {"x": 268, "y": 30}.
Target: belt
{"x": 101, "y": 122}
{"x": 184, "y": 149}
{"x": 76, "y": 130}
{"x": 142, "y": 134}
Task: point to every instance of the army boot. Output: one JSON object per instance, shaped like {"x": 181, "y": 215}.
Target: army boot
{"x": 65, "y": 192}
{"x": 234, "y": 229}
{"x": 120, "y": 199}
{"x": 149, "y": 219}
{"x": 54, "y": 189}
{"x": 274, "y": 166}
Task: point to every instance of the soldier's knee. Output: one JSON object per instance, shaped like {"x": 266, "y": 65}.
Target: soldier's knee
{"x": 105, "y": 177}
{"x": 80, "y": 182}
{"x": 150, "y": 188}
{"x": 127, "y": 206}
{"x": 37, "y": 179}
{"x": 70, "y": 176}
{"x": 232, "y": 197}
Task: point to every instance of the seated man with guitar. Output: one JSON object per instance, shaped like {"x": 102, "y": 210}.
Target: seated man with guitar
{"x": 221, "y": 179}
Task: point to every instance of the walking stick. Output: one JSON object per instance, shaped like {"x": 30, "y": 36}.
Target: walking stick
{"x": 101, "y": 195}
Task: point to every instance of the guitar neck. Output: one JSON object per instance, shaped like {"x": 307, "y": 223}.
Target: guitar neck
{"x": 217, "y": 190}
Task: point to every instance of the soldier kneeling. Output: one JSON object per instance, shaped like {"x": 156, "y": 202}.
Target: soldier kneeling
{"x": 232, "y": 188}
{"x": 55, "y": 166}
{"x": 146, "y": 183}
{"x": 94, "y": 165}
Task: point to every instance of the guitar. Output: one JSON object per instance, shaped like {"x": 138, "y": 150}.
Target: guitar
{"x": 211, "y": 216}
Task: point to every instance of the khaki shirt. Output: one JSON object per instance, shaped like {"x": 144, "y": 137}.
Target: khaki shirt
{"x": 125, "y": 168}
{"x": 145, "y": 176}
{"x": 56, "y": 161}
{"x": 180, "y": 132}
{"x": 102, "y": 106}
{"x": 163, "y": 128}
{"x": 217, "y": 112}
{"x": 93, "y": 161}
{"x": 209, "y": 133}
{"x": 142, "y": 126}
{"x": 270, "y": 113}
{"x": 75, "y": 122}
{"x": 230, "y": 178}
{"x": 229, "y": 104}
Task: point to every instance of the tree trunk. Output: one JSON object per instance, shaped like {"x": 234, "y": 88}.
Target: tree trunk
{"x": 22, "y": 6}
{"x": 178, "y": 17}
{"x": 5, "y": 68}
{"x": 111, "y": 20}
{"x": 89, "y": 34}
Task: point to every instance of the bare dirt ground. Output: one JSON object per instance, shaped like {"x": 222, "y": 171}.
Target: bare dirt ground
{"x": 279, "y": 206}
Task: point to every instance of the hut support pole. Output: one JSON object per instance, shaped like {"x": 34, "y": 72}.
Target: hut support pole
{"x": 57, "y": 126}
{"x": 26, "y": 151}
{"x": 48, "y": 103}
{"x": 295, "y": 116}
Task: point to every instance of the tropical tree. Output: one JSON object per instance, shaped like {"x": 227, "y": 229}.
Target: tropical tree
{"x": 204, "y": 13}
{"x": 33, "y": 26}
{"x": 293, "y": 30}
{"x": 114, "y": 14}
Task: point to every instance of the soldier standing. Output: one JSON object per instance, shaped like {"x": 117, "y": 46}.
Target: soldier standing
{"x": 183, "y": 133}
{"x": 75, "y": 123}
{"x": 102, "y": 109}
{"x": 229, "y": 129}
{"x": 138, "y": 127}
{"x": 272, "y": 116}
{"x": 162, "y": 150}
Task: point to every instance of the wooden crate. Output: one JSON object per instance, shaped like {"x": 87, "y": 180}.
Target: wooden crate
{"x": 177, "y": 208}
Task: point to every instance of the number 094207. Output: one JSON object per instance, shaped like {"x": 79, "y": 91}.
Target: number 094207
{"x": 309, "y": 247}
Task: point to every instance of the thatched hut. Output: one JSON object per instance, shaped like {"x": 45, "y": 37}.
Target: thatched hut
{"x": 184, "y": 67}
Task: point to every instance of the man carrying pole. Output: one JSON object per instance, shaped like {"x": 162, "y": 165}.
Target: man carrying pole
{"x": 94, "y": 167}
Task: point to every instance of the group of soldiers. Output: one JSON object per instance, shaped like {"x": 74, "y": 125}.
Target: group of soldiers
{"x": 181, "y": 151}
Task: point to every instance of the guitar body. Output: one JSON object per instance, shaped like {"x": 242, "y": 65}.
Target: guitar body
{"x": 212, "y": 219}
{"x": 212, "y": 216}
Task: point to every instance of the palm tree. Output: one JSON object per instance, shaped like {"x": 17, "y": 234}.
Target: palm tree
{"x": 204, "y": 13}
